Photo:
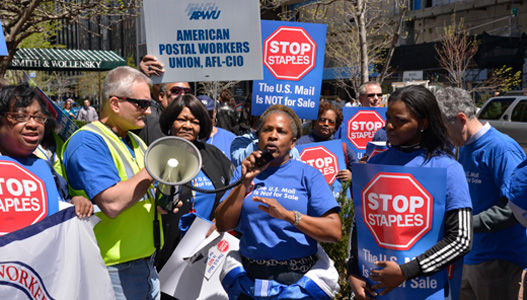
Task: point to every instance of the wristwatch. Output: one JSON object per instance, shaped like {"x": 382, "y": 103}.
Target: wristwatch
{"x": 298, "y": 216}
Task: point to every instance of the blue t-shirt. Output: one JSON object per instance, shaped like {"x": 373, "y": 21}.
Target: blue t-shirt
{"x": 89, "y": 164}
{"x": 457, "y": 194}
{"x": 20, "y": 193}
{"x": 517, "y": 186}
{"x": 488, "y": 163}
{"x": 203, "y": 202}
{"x": 222, "y": 140}
{"x": 296, "y": 186}
{"x": 380, "y": 135}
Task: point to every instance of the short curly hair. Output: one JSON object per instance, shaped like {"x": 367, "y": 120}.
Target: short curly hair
{"x": 325, "y": 106}
{"x": 295, "y": 123}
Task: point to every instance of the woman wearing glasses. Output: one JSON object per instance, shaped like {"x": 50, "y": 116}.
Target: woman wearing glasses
{"x": 187, "y": 118}
{"x": 323, "y": 128}
{"x": 23, "y": 116}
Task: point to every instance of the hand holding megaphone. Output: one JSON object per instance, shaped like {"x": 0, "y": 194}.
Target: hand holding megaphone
{"x": 173, "y": 161}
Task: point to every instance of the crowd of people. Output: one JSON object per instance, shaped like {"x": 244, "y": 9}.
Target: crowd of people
{"x": 103, "y": 166}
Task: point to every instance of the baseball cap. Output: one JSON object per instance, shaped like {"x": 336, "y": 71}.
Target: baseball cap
{"x": 207, "y": 101}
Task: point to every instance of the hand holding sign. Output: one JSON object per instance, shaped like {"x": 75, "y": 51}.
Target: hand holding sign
{"x": 390, "y": 277}
{"x": 149, "y": 65}
{"x": 361, "y": 289}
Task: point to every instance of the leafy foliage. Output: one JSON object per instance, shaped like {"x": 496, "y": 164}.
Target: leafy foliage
{"x": 339, "y": 251}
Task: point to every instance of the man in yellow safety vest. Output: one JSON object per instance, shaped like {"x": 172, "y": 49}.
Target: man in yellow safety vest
{"x": 104, "y": 160}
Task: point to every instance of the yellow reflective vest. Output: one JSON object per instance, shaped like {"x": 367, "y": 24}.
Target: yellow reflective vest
{"x": 130, "y": 235}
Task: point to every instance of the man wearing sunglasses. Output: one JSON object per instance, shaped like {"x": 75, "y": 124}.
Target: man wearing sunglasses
{"x": 105, "y": 161}
{"x": 370, "y": 94}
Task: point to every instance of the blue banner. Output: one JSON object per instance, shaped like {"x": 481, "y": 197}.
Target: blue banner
{"x": 359, "y": 126}
{"x": 3, "y": 46}
{"x": 399, "y": 215}
{"x": 293, "y": 58}
{"x": 328, "y": 157}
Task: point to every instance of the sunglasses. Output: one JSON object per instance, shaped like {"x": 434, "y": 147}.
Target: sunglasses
{"x": 141, "y": 103}
{"x": 176, "y": 90}
{"x": 373, "y": 95}
{"x": 20, "y": 117}
{"x": 323, "y": 121}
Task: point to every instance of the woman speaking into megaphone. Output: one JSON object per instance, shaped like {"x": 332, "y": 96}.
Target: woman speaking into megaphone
{"x": 187, "y": 118}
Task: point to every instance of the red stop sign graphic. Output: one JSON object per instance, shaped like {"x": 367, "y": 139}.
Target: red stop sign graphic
{"x": 322, "y": 159}
{"x": 223, "y": 246}
{"x": 397, "y": 210}
{"x": 362, "y": 127}
{"x": 23, "y": 198}
{"x": 289, "y": 53}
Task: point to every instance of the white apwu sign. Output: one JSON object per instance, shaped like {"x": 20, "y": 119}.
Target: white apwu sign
{"x": 205, "y": 40}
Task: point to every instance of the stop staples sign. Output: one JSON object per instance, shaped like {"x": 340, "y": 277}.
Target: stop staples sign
{"x": 23, "y": 198}
{"x": 322, "y": 159}
{"x": 397, "y": 210}
{"x": 362, "y": 127}
{"x": 289, "y": 53}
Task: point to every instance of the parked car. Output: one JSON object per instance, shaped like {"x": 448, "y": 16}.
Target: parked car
{"x": 508, "y": 114}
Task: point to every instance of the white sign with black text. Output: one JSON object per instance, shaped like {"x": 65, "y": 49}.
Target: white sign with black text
{"x": 205, "y": 40}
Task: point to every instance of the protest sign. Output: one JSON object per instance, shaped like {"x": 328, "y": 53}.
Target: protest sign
{"x": 193, "y": 269}
{"x": 328, "y": 157}
{"x": 293, "y": 56}
{"x": 360, "y": 125}
{"x": 399, "y": 215}
{"x": 204, "y": 41}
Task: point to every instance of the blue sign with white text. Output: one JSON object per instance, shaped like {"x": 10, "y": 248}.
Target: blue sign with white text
{"x": 293, "y": 58}
{"x": 399, "y": 215}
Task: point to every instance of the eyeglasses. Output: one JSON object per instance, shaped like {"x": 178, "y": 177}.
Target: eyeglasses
{"x": 177, "y": 90}
{"x": 323, "y": 121}
{"x": 141, "y": 103}
{"x": 373, "y": 95}
{"x": 20, "y": 117}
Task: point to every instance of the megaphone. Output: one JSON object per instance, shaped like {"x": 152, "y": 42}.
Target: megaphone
{"x": 172, "y": 161}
